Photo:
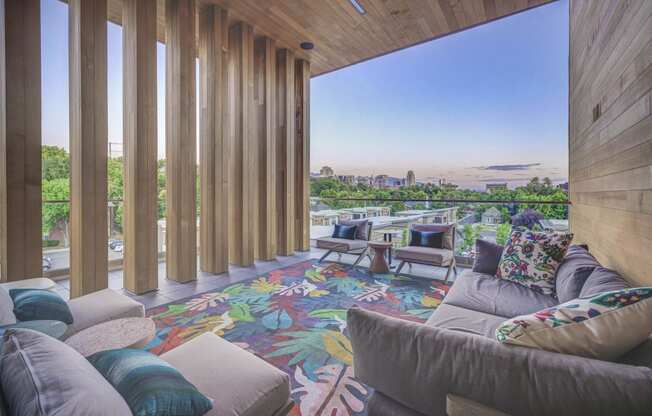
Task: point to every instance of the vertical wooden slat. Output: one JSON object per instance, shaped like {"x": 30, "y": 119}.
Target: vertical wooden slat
{"x": 140, "y": 139}
{"x": 285, "y": 141}
{"x": 213, "y": 143}
{"x": 180, "y": 141}
{"x": 88, "y": 146}
{"x": 302, "y": 155}
{"x": 20, "y": 141}
{"x": 241, "y": 144}
{"x": 265, "y": 132}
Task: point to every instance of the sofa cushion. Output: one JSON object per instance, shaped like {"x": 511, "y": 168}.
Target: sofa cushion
{"x": 7, "y": 316}
{"x": 465, "y": 320}
{"x": 488, "y": 294}
{"x": 361, "y": 230}
{"x": 573, "y": 272}
{"x": 532, "y": 258}
{"x": 239, "y": 382}
{"x": 40, "y": 304}
{"x": 487, "y": 257}
{"x": 43, "y": 376}
{"x": 424, "y": 255}
{"x": 604, "y": 326}
{"x": 340, "y": 244}
{"x": 448, "y": 230}
{"x": 102, "y": 306}
{"x": 149, "y": 385}
{"x": 602, "y": 280}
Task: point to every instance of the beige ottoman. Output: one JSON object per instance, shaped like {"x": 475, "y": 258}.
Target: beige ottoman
{"x": 240, "y": 383}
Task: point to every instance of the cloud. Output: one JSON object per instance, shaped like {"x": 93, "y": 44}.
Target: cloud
{"x": 523, "y": 166}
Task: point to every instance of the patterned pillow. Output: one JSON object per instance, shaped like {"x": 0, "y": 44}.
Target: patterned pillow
{"x": 531, "y": 258}
{"x": 149, "y": 385}
{"x": 604, "y": 326}
{"x": 40, "y": 304}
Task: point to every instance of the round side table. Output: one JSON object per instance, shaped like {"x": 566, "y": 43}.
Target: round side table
{"x": 378, "y": 263}
{"x": 116, "y": 334}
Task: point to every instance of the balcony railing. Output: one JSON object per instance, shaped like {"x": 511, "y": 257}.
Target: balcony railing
{"x": 487, "y": 219}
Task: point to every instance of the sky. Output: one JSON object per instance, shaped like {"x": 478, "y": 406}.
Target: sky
{"x": 489, "y": 104}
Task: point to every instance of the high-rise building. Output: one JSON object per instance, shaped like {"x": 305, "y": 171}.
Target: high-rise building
{"x": 326, "y": 171}
{"x": 410, "y": 180}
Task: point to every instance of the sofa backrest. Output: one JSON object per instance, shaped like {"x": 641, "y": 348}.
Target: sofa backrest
{"x": 573, "y": 271}
{"x": 603, "y": 280}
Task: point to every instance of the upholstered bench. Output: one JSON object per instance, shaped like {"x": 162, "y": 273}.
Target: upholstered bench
{"x": 240, "y": 383}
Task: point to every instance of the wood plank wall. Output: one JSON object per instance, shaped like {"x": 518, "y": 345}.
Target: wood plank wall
{"x": 213, "y": 141}
{"x": 140, "y": 146}
{"x": 180, "y": 141}
{"x": 302, "y": 155}
{"x": 265, "y": 136}
{"x": 20, "y": 140}
{"x": 611, "y": 132}
{"x": 88, "y": 147}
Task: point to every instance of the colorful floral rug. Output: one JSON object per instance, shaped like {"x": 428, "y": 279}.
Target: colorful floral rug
{"x": 295, "y": 318}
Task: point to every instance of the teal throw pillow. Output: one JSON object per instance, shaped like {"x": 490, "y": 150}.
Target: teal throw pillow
{"x": 40, "y": 304}
{"x": 150, "y": 385}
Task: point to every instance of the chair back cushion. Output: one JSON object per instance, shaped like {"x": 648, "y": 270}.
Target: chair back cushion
{"x": 604, "y": 326}
{"x": 448, "y": 230}
{"x": 487, "y": 257}
{"x": 7, "y": 316}
{"x": 363, "y": 230}
{"x": 42, "y": 376}
{"x": 430, "y": 239}
{"x": 346, "y": 232}
{"x": 40, "y": 304}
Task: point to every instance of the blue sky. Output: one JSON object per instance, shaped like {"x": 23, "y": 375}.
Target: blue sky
{"x": 483, "y": 105}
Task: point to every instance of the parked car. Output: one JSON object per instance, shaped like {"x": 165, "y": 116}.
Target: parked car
{"x": 115, "y": 243}
{"x": 46, "y": 263}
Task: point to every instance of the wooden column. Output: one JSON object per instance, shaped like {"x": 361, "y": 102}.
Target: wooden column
{"x": 242, "y": 145}
{"x": 88, "y": 146}
{"x": 213, "y": 142}
{"x": 140, "y": 139}
{"x": 265, "y": 137}
{"x": 20, "y": 139}
{"x": 302, "y": 155}
{"x": 180, "y": 141}
{"x": 285, "y": 142}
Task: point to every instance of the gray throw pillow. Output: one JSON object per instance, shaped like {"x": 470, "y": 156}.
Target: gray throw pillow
{"x": 487, "y": 257}
{"x": 603, "y": 280}
{"x": 42, "y": 376}
{"x": 361, "y": 231}
{"x": 7, "y": 316}
{"x": 572, "y": 273}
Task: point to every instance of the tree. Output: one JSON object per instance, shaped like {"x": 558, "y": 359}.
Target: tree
{"x": 56, "y": 214}
{"x": 55, "y": 163}
{"x": 502, "y": 233}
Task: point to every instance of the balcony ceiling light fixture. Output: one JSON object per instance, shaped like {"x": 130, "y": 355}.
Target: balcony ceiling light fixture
{"x": 307, "y": 45}
{"x": 358, "y": 6}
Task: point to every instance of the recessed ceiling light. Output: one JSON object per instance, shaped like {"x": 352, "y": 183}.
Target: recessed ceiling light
{"x": 307, "y": 45}
{"x": 358, "y": 6}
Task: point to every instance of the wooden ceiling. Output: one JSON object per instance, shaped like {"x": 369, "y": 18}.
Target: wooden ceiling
{"x": 342, "y": 36}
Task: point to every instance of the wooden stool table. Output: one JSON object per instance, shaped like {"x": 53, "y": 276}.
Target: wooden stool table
{"x": 379, "y": 264}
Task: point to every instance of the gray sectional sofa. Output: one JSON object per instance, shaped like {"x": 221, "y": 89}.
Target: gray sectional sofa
{"x": 413, "y": 367}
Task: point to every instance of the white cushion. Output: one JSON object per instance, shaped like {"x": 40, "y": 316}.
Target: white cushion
{"x": 604, "y": 326}
{"x": 7, "y": 316}
{"x": 240, "y": 383}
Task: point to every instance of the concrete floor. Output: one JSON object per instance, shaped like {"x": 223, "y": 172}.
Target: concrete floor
{"x": 170, "y": 291}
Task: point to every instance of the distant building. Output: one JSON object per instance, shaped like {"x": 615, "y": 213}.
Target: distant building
{"x": 324, "y": 218}
{"x": 326, "y": 171}
{"x": 381, "y": 181}
{"x": 365, "y": 180}
{"x": 496, "y": 187}
{"x": 346, "y": 179}
{"x": 563, "y": 186}
{"x": 492, "y": 216}
{"x": 410, "y": 180}
{"x": 378, "y": 212}
{"x": 432, "y": 216}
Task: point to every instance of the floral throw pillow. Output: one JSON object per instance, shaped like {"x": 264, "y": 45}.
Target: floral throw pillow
{"x": 531, "y": 258}
{"x": 604, "y": 326}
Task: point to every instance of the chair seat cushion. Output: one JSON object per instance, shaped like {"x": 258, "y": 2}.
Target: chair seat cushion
{"x": 465, "y": 320}
{"x": 340, "y": 244}
{"x": 428, "y": 255}
{"x": 102, "y": 306}
{"x": 239, "y": 382}
{"x": 488, "y": 294}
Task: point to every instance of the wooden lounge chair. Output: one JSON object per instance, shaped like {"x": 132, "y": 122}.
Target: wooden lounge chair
{"x": 358, "y": 247}
{"x": 438, "y": 257}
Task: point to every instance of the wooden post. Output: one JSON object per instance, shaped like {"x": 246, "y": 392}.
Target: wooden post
{"x": 302, "y": 155}
{"x": 88, "y": 146}
{"x": 242, "y": 146}
{"x": 285, "y": 141}
{"x": 140, "y": 140}
{"x": 265, "y": 132}
{"x": 180, "y": 141}
{"x": 20, "y": 139}
{"x": 213, "y": 141}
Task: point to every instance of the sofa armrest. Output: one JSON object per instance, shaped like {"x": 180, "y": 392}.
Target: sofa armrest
{"x": 418, "y": 365}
